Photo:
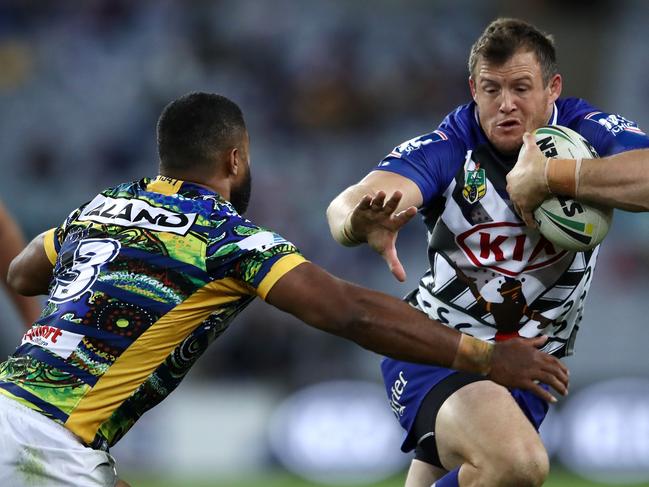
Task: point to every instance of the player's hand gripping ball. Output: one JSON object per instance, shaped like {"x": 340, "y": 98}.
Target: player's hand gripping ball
{"x": 567, "y": 223}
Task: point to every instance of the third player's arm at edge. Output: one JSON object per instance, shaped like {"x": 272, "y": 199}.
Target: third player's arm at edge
{"x": 11, "y": 244}
{"x": 361, "y": 213}
{"x": 391, "y": 327}
{"x": 30, "y": 272}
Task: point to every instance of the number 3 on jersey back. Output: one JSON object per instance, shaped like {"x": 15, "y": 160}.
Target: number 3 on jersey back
{"x": 89, "y": 255}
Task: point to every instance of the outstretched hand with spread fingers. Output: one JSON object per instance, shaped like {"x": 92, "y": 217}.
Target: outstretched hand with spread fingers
{"x": 377, "y": 220}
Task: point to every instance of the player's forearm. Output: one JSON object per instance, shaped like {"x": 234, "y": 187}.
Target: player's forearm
{"x": 30, "y": 272}
{"x": 388, "y": 326}
{"x": 29, "y": 308}
{"x": 620, "y": 181}
{"x": 11, "y": 244}
{"x": 339, "y": 211}
{"x": 376, "y": 321}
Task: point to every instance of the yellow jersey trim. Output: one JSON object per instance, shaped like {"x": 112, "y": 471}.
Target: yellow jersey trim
{"x": 147, "y": 353}
{"x": 48, "y": 244}
{"x": 278, "y": 270}
{"x": 164, "y": 185}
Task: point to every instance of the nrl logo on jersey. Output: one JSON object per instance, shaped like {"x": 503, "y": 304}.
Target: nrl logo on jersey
{"x": 475, "y": 184}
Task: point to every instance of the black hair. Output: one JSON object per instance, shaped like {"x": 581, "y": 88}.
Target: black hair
{"x": 193, "y": 129}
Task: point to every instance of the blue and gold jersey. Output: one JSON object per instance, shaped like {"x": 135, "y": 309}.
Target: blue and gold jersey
{"x": 146, "y": 276}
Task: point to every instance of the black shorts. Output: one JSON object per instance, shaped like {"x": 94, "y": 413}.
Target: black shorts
{"x": 423, "y": 429}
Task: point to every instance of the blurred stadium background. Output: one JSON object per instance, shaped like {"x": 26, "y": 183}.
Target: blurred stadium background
{"x": 328, "y": 88}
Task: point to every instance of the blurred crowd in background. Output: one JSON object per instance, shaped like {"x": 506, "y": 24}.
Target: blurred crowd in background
{"x": 328, "y": 88}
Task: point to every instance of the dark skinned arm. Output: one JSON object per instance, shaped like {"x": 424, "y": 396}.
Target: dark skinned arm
{"x": 11, "y": 244}
{"x": 30, "y": 272}
{"x": 388, "y": 326}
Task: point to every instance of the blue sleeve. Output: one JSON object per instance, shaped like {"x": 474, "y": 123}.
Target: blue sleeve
{"x": 430, "y": 161}
{"x": 611, "y": 134}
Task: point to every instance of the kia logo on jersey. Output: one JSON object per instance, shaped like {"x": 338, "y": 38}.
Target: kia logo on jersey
{"x": 507, "y": 248}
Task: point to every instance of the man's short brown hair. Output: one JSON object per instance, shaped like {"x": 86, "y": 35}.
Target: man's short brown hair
{"x": 504, "y": 37}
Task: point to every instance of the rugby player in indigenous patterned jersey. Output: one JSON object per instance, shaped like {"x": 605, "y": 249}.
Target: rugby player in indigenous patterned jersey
{"x": 490, "y": 276}
{"x": 146, "y": 275}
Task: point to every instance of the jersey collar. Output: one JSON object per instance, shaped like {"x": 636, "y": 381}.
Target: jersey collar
{"x": 555, "y": 115}
{"x": 168, "y": 186}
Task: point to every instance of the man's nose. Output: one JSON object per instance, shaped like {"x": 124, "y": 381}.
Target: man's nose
{"x": 507, "y": 103}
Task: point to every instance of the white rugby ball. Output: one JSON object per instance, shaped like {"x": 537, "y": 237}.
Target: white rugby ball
{"x": 567, "y": 223}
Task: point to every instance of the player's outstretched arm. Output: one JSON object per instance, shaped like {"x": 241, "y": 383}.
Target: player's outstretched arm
{"x": 619, "y": 181}
{"x": 373, "y": 211}
{"x": 388, "y": 326}
{"x": 11, "y": 243}
{"x": 30, "y": 272}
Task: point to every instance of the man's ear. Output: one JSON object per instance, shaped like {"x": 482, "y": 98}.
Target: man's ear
{"x": 555, "y": 85}
{"x": 233, "y": 161}
{"x": 472, "y": 87}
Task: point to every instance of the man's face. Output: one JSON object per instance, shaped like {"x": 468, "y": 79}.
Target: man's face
{"x": 241, "y": 189}
{"x": 512, "y": 99}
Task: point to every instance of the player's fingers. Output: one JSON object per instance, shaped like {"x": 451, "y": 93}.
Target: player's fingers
{"x": 392, "y": 202}
{"x": 542, "y": 393}
{"x": 377, "y": 201}
{"x": 528, "y": 218}
{"x": 405, "y": 216}
{"x": 554, "y": 362}
{"x": 364, "y": 203}
{"x": 560, "y": 375}
{"x": 538, "y": 341}
{"x": 554, "y": 382}
{"x": 517, "y": 209}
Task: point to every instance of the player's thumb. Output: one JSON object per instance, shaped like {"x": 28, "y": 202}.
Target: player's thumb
{"x": 528, "y": 218}
{"x": 395, "y": 266}
{"x": 528, "y": 140}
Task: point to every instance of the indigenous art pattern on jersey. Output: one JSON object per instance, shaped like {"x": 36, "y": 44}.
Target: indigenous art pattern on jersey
{"x": 147, "y": 275}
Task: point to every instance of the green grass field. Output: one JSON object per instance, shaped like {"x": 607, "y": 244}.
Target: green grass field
{"x": 557, "y": 479}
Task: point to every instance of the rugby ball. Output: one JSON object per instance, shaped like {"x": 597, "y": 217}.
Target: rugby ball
{"x": 567, "y": 223}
